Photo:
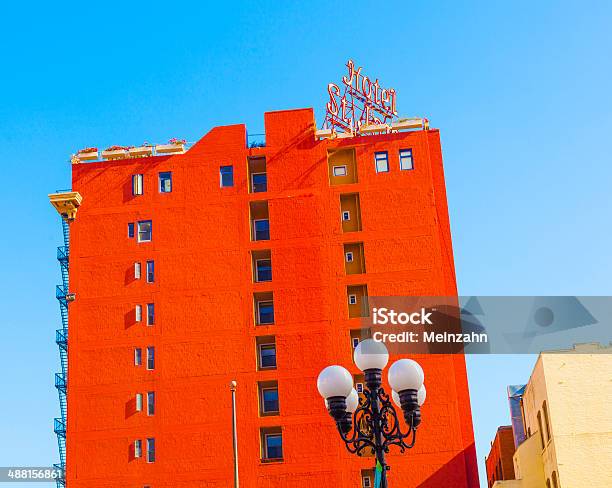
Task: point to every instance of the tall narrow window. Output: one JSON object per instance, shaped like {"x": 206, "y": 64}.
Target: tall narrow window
{"x": 138, "y": 313}
{"x": 260, "y": 223}
{"x": 546, "y": 421}
{"x": 150, "y": 358}
{"x": 406, "y": 161}
{"x": 130, "y": 230}
{"x": 150, "y": 450}
{"x": 165, "y": 182}
{"x": 151, "y": 403}
{"x": 555, "y": 483}
{"x": 258, "y": 179}
{"x": 382, "y": 162}
{"x": 226, "y": 176}
{"x": 150, "y": 271}
{"x": 145, "y": 228}
{"x": 137, "y": 269}
{"x": 150, "y": 314}
{"x": 137, "y": 448}
{"x": 541, "y": 429}
{"x": 138, "y": 402}
{"x": 137, "y": 357}
{"x": 137, "y": 184}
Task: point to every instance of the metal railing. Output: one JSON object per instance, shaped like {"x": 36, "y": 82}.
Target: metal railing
{"x": 256, "y": 140}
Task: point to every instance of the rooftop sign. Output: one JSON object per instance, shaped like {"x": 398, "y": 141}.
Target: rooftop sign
{"x": 358, "y": 101}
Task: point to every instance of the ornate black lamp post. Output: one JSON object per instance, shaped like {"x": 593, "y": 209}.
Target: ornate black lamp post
{"x": 371, "y": 424}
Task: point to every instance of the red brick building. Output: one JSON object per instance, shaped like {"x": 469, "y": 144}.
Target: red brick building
{"x": 234, "y": 263}
{"x": 499, "y": 461}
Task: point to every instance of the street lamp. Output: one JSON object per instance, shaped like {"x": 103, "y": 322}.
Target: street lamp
{"x": 372, "y": 423}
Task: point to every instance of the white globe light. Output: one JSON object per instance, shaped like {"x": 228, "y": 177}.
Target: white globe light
{"x": 370, "y": 354}
{"x": 396, "y": 398}
{"x": 421, "y": 395}
{"x": 334, "y": 381}
{"x": 352, "y": 401}
{"x": 406, "y": 374}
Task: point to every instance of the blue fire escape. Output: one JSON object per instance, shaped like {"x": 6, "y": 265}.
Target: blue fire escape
{"x": 66, "y": 203}
{"x": 61, "y": 338}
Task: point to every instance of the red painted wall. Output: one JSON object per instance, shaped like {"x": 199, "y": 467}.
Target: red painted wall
{"x": 205, "y": 334}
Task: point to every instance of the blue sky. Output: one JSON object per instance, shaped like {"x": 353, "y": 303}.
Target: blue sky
{"x": 519, "y": 90}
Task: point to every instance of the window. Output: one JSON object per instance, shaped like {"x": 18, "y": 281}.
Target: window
{"x": 137, "y": 448}
{"x": 260, "y": 223}
{"x": 366, "y": 482}
{"x": 137, "y": 185}
{"x": 144, "y": 230}
{"x": 340, "y": 170}
{"x": 131, "y": 230}
{"x": 546, "y": 422}
{"x": 137, "y": 269}
{"x": 151, "y": 403}
{"x": 150, "y": 314}
{"x": 342, "y": 166}
{"x": 273, "y": 446}
{"x": 555, "y": 483}
{"x": 150, "y": 358}
{"x": 350, "y": 212}
{"x": 354, "y": 262}
{"x": 259, "y": 182}
{"x": 382, "y": 162}
{"x": 138, "y": 313}
{"x": 265, "y": 312}
{"x": 358, "y": 301}
{"x": 267, "y": 355}
{"x": 541, "y": 429}
{"x": 138, "y": 402}
{"x": 263, "y": 270}
{"x": 150, "y": 271}
{"x": 150, "y": 450}
{"x": 269, "y": 398}
{"x": 137, "y": 357}
{"x": 406, "y": 162}
{"x": 226, "y": 176}
{"x": 358, "y": 335}
{"x": 261, "y": 229}
{"x": 359, "y": 387}
{"x": 165, "y": 182}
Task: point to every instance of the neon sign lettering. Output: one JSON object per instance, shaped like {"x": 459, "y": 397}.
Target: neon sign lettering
{"x": 358, "y": 101}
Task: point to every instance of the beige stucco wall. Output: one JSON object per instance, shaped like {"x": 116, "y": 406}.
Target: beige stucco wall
{"x": 577, "y": 388}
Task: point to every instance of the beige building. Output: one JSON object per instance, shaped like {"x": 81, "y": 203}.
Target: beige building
{"x": 567, "y": 412}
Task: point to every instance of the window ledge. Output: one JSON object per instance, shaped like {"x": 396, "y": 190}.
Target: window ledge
{"x": 271, "y": 461}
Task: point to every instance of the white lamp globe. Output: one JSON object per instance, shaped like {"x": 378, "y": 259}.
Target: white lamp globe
{"x": 352, "y": 401}
{"x": 396, "y": 398}
{"x": 334, "y": 381}
{"x": 370, "y": 354}
{"x": 421, "y": 395}
{"x": 406, "y": 374}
